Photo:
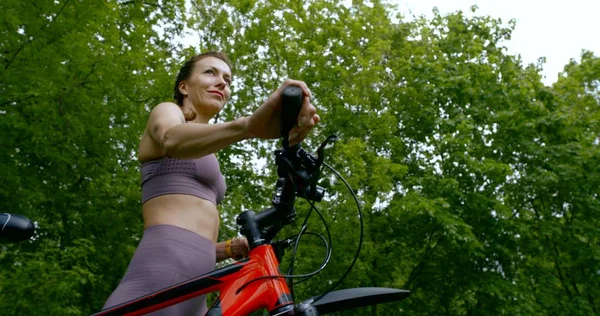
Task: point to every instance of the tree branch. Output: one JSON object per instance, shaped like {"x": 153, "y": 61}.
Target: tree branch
{"x": 143, "y": 2}
{"x": 80, "y": 84}
{"x": 419, "y": 267}
{"x": 34, "y": 37}
{"x": 15, "y": 101}
{"x": 557, "y": 255}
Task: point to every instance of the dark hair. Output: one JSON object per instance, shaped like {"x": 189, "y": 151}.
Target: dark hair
{"x": 186, "y": 71}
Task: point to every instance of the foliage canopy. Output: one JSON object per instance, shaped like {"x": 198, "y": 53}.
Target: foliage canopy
{"x": 479, "y": 183}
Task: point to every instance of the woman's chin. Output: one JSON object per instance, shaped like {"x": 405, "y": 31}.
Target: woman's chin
{"x": 210, "y": 109}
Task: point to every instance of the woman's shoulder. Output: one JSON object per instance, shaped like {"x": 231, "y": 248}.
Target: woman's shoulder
{"x": 166, "y": 110}
{"x": 166, "y": 106}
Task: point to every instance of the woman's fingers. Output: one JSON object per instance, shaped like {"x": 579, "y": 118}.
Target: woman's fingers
{"x": 307, "y": 112}
{"x": 299, "y": 83}
{"x": 266, "y": 118}
{"x": 299, "y": 133}
{"x": 242, "y": 246}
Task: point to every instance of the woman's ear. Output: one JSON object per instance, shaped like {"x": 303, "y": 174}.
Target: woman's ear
{"x": 183, "y": 87}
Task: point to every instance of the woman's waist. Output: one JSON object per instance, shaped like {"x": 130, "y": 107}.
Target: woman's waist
{"x": 171, "y": 248}
{"x": 184, "y": 211}
{"x": 184, "y": 185}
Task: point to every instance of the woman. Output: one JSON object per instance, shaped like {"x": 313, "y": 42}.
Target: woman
{"x": 182, "y": 183}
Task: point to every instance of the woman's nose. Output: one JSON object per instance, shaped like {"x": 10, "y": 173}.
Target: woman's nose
{"x": 222, "y": 82}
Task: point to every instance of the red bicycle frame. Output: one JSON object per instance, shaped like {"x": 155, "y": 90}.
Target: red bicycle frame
{"x": 248, "y": 285}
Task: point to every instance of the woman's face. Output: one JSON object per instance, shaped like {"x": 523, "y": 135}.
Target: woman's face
{"x": 208, "y": 88}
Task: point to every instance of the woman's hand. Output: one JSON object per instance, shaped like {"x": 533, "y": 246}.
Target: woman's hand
{"x": 264, "y": 122}
{"x": 239, "y": 247}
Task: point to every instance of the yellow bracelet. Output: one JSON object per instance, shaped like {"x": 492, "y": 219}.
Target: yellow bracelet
{"x": 228, "y": 251}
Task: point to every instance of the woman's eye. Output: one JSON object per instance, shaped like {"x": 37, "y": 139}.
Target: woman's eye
{"x": 228, "y": 81}
{"x": 209, "y": 72}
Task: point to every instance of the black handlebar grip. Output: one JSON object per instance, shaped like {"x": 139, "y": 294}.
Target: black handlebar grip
{"x": 291, "y": 102}
{"x": 15, "y": 227}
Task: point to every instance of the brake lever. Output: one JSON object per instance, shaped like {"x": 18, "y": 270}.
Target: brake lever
{"x": 320, "y": 157}
{"x": 321, "y": 151}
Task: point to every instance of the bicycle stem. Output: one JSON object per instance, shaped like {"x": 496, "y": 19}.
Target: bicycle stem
{"x": 260, "y": 228}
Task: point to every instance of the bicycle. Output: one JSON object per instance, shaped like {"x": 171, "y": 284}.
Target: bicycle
{"x": 255, "y": 283}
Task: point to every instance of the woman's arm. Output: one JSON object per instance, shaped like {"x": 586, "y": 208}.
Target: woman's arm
{"x": 197, "y": 140}
{"x": 178, "y": 140}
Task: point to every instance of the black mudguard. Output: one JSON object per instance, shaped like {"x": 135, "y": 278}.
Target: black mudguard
{"x": 357, "y": 297}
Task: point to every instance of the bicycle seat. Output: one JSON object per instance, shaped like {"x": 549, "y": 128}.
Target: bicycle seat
{"x": 14, "y": 227}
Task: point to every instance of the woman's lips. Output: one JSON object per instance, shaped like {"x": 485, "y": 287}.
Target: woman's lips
{"x": 217, "y": 93}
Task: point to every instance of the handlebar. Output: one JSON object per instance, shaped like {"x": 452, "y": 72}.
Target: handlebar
{"x": 298, "y": 172}
{"x": 14, "y": 227}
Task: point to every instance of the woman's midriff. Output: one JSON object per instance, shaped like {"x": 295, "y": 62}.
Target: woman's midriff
{"x": 185, "y": 211}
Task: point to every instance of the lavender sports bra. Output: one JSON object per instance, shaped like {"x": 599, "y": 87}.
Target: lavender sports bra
{"x": 199, "y": 177}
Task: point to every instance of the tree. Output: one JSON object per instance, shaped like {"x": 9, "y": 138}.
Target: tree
{"x": 478, "y": 183}
{"x": 441, "y": 134}
{"x": 77, "y": 80}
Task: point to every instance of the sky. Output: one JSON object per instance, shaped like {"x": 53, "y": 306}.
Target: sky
{"x": 557, "y": 30}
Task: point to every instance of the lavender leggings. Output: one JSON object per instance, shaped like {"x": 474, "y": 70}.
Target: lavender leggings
{"x": 166, "y": 256}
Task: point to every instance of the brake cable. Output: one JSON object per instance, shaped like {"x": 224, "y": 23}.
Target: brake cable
{"x": 319, "y": 162}
{"x": 329, "y": 249}
{"x": 360, "y": 240}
